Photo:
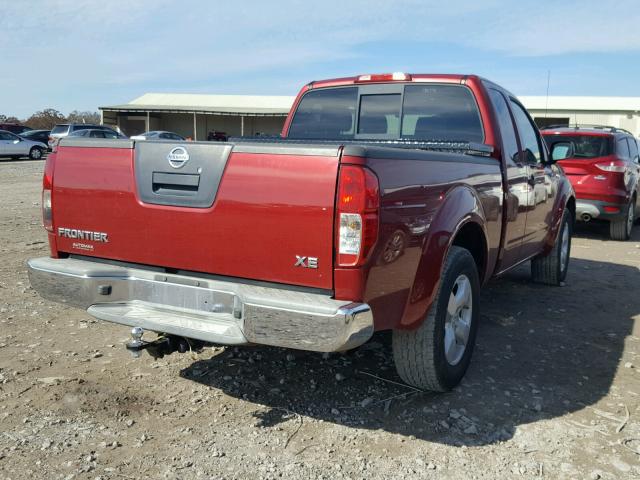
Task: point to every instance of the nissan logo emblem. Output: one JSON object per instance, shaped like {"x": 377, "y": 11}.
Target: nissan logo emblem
{"x": 178, "y": 157}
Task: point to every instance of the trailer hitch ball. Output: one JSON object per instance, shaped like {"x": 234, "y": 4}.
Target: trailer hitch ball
{"x": 136, "y": 344}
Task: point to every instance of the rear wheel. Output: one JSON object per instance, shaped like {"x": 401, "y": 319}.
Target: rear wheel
{"x": 551, "y": 269}
{"x": 621, "y": 229}
{"x": 436, "y": 355}
{"x": 35, "y": 153}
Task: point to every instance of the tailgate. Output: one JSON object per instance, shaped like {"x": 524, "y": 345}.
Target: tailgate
{"x": 233, "y": 210}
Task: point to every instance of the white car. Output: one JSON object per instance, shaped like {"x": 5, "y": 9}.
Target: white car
{"x": 158, "y": 135}
{"x": 13, "y": 146}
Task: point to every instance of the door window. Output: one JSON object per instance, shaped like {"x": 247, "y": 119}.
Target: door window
{"x": 529, "y": 140}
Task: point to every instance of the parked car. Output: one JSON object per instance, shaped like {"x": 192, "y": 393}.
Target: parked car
{"x": 64, "y": 129}
{"x": 294, "y": 242}
{"x": 14, "y": 146}
{"x": 96, "y": 133}
{"x": 603, "y": 166}
{"x": 217, "y": 136}
{"x": 41, "y": 136}
{"x": 14, "y": 128}
{"x": 158, "y": 135}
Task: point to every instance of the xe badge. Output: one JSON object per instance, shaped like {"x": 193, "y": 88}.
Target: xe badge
{"x": 306, "y": 262}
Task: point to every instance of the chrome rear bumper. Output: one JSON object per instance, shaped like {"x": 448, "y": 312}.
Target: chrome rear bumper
{"x": 214, "y": 311}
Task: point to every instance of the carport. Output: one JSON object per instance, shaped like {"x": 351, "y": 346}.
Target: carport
{"x": 195, "y": 116}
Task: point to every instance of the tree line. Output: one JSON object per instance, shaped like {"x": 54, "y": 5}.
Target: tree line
{"x": 49, "y": 117}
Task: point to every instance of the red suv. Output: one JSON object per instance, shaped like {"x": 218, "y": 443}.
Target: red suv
{"x": 602, "y": 164}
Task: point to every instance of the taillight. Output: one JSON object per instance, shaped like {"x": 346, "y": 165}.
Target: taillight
{"x": 47, "y": 187}
{"x": 357, "y": 215}
{"x": 613, "y": 166}
{"x": 47, "y": 213}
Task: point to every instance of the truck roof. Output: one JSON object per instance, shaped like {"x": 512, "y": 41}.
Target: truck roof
{"x": 392, "y": 77}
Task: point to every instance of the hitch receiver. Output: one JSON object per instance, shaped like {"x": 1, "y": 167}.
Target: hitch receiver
{"x": 161, "y": 346}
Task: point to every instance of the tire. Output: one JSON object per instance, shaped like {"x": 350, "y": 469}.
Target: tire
{"x": 621, "y": 229}
{"x": 551, "y": 269}
{"x": 35, "y": 153}
{"x": 420, "y": 355}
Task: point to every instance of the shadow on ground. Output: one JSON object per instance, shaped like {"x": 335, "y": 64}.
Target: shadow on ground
{"x": 599, "y": 230}
{"x": 542, "y": 352}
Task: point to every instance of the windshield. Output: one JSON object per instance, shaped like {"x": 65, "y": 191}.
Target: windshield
{"x": 415, "y": 112}
{"x": 585, "y": 146}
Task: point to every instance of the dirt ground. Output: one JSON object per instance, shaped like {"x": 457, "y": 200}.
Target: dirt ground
{"x": 553, "y": 390}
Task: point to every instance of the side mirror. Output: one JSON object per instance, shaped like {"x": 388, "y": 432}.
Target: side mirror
{"x": 17, "y": 140}
{"x": 562, "y": 150}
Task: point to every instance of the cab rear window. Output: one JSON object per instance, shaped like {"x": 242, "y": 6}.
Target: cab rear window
{"x": 413, "y": 112}
{"x": 325, "y": 114}
{"x": 440, "y": 112}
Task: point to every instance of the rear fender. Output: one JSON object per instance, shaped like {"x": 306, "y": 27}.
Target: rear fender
{"x": 460, "y": 207}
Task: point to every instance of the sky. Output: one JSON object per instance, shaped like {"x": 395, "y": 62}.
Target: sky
{"x": 82, "y": 54}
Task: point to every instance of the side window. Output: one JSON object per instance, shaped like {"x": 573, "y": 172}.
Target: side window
{"x": 622, "y": 148}
{"x": 529, "y": 140}
{"x": 5, "y": 136}
{"x": 509, "y": 142}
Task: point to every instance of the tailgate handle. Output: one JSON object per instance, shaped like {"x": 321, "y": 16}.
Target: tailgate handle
{"x": 175, "y": 183}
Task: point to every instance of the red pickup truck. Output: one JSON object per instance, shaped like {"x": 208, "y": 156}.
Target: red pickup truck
{"x": 384, "y": 205}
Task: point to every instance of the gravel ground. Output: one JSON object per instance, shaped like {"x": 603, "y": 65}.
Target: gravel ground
{"x": 552, "y": 392}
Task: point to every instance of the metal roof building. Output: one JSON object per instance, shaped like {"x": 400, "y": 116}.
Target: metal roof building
{"x": 621, "y": 112}
{"x": 195, "y": 115}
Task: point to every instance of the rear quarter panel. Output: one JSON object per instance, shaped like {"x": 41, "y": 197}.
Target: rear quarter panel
{"x": 428, "y": 199}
